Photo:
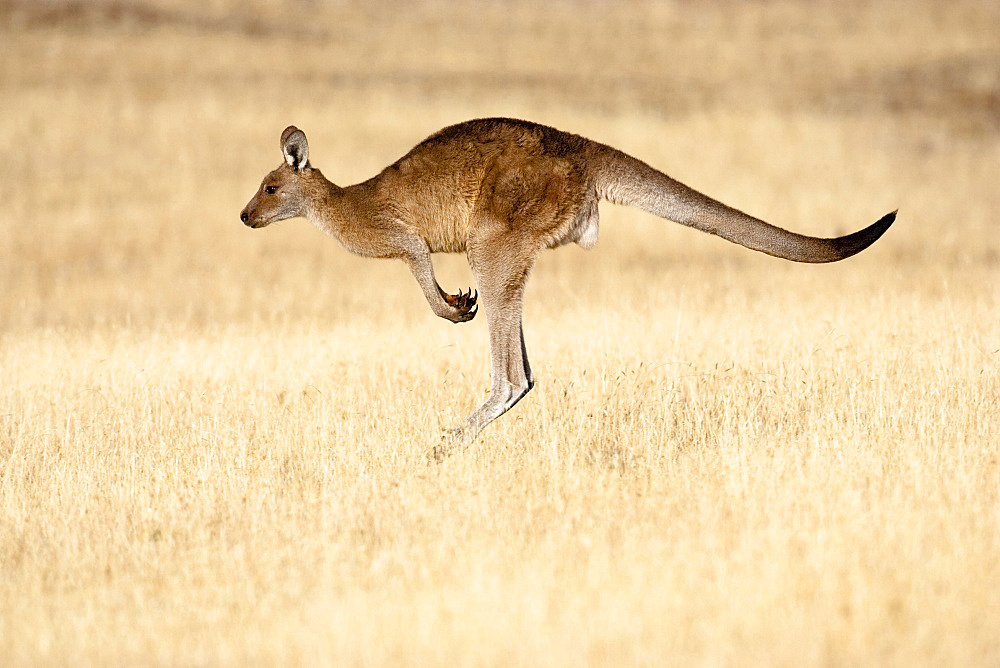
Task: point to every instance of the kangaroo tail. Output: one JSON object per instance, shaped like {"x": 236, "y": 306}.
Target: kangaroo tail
{"x": 623, "y": 179}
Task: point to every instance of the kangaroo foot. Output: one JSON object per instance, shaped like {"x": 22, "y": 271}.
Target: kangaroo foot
{"x": 453, "y": 441}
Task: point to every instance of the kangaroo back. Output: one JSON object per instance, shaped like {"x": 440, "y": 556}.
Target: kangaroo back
{"x": 622, "y": 179}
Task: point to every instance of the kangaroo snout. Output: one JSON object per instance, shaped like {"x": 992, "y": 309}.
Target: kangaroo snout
{"x": 252, "y": 218}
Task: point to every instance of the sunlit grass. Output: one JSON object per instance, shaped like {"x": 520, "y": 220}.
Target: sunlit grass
{"x": 213, "y": 441}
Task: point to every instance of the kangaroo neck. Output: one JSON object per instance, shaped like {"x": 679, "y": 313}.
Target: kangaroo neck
{"x": 339, "y": 212}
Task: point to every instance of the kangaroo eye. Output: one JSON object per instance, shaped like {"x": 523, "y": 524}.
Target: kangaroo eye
{"x": 270, "y": 190}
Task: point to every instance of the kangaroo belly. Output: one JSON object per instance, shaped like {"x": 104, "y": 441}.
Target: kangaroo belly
{"x": 451, "y": 244}
{"x": 447, "y": 234}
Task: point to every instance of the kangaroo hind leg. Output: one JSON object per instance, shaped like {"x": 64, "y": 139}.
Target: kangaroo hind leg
{"x": 501, "y": 268}
{"x": 524, "y": 358}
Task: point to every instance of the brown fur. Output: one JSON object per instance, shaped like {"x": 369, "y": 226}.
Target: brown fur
{"x": 501, "y": 190}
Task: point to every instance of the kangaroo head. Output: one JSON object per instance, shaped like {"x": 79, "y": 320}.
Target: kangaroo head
{"x": 284, "y": 193}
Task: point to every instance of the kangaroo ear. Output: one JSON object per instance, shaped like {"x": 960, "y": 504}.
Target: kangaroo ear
{"x": 295, "y": 147}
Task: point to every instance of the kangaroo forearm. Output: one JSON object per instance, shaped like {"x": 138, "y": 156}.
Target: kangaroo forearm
{"x": 455, "y": 308}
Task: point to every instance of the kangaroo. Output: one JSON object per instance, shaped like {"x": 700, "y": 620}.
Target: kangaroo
{"x": 501, "y": 190}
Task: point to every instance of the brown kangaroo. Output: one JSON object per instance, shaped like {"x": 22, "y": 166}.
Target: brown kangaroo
{"x": 501, "y": 190}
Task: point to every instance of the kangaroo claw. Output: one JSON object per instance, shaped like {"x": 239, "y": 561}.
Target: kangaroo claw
{"x": 464, "y": 302}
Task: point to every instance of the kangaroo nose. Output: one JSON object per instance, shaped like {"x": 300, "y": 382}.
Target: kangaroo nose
{"x": 244, "y": 217}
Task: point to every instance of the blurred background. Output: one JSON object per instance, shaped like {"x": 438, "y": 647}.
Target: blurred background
{"x": 133, "y": 132}
{"x": 212, "y": 439}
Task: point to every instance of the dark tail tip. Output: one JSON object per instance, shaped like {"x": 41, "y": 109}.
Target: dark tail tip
{"x": 882, "y": 224}
{"x": 862, "y": 239}
{"x": 888, "y": 219}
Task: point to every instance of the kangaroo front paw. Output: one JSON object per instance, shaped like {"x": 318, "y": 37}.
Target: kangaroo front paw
{"x": 463, "y": 306}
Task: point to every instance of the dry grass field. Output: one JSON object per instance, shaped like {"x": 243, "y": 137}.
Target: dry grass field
{"x": 213, "y": 439}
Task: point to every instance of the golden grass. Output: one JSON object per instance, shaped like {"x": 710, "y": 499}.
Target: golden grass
{"x": 212, "y": 440}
